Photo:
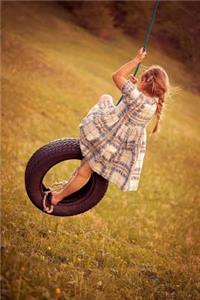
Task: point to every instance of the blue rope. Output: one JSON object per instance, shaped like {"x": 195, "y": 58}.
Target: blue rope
{"x": 148, "y": 34}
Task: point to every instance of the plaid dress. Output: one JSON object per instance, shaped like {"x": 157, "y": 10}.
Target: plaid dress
{"x": 113, "y": 137}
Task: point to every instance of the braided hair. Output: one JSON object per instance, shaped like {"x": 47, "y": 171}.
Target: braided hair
{"x": 155, "y": 82}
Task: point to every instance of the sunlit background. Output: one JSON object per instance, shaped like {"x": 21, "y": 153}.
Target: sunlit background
{"x": 57, "y": 59}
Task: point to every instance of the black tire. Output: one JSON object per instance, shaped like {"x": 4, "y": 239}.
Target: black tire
{"x": 48, "y": 156}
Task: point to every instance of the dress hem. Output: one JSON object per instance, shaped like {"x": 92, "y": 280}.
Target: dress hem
{"x": 106, "y": 177}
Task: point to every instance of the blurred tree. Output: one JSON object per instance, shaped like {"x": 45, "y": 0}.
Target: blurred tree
{"x": 92, "y": 15}
{"x": 132, "y": 16}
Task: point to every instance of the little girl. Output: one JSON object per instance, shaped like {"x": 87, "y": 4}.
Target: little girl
{"x": 113, "y": 137}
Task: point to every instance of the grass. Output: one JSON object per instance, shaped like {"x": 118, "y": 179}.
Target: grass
{"x": 132, "y": 245}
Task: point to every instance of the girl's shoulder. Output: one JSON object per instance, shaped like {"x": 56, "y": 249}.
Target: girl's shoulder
{"x": 130, "y": 89}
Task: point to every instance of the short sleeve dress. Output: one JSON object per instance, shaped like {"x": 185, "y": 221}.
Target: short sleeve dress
{"x": 113, "y": 137}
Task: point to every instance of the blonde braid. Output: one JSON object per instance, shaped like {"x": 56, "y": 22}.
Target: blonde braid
{"x": 155, "y": 83}
{"x": 160, "y": 106}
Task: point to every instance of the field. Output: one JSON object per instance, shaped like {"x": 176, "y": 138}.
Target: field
{"x": 132, "y": 245}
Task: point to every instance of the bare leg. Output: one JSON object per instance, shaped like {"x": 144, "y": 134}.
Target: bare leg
{"x": 78, "y": 179}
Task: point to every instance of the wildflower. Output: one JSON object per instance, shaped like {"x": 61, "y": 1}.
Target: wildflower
{"x": 99, "y": 284}
{"x": 58, "y": 290}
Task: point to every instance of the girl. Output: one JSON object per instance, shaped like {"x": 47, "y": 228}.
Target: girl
{"x": 113, "y": 137}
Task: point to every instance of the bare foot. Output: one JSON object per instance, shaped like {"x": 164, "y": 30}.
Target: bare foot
{"x": 55, "y": 198}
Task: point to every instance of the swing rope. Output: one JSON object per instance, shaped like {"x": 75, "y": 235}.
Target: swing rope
{"x": 148, "y": 34}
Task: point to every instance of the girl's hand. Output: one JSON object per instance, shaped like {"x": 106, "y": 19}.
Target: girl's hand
{"x": 133, "y": 79}
{"x": 141, "y": 54}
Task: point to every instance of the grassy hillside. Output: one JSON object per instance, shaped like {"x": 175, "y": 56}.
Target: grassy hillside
{"x": 132, "y": 245}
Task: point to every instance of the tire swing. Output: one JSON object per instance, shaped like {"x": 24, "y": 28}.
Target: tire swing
{"x": 47, "y": 157}
{"x": 61, "y": 150}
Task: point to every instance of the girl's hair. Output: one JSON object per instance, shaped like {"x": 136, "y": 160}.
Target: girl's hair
{"x": 155, "y": 82}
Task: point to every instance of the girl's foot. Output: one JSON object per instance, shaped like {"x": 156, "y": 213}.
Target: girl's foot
{"x": 50, "y": 200}
{"x": 51, "y": 197}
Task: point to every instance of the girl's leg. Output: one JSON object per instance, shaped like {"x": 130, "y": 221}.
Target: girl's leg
{"x": 78, "y": 179}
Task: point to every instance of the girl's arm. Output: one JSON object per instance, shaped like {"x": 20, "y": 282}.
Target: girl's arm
{"x": 119, "y": 75}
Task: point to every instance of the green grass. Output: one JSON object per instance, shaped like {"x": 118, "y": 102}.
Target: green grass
{"x": 132, "y": 245}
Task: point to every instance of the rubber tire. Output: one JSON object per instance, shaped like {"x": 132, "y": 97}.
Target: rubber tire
{"x": 48, "y": 156}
